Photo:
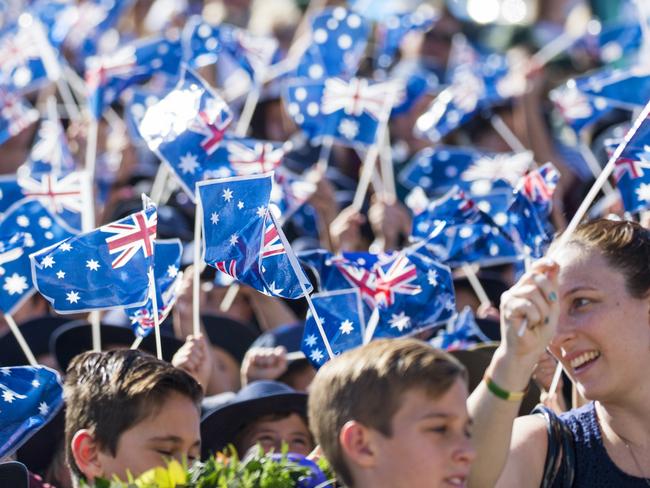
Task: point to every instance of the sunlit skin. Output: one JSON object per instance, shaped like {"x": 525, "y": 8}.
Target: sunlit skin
{"x": 270, "y": 434}
{"x": 430, "y": 444}
{"x": 597, "y": 314}
{"x": 172, "y": 432}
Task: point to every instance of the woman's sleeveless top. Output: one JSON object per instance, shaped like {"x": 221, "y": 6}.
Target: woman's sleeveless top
{"x": 594, "y": 468}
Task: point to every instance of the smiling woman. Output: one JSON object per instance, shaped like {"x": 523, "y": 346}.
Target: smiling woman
{"x": 591, "y": 308}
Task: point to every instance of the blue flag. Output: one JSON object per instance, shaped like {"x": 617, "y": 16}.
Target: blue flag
{"x": 462, "y": 332}
{"x": 242, "y": 240}
{"x": 414, "y": 293}
{"x": 186, "y": 127}
{"x": 108, "y": 76}
{"x": 29, "y": 398}
{"x": 339, "y": 40}
{"x": 105, "y": 268}
{"x": 341, "y": 315}
{"x": 349, "y": 111}
{"x": 15, "y": 115}
{"x": 50, "y": 152}
{"x": 26, "y": 227}
{"x": 632, "y": 170}
{"x": 577, "y": 109}
{"x": 611, "y": 43}
{"x": 437, "y": 169}
{"x": 166, "y": 270}
{"x": 61, "y": 194}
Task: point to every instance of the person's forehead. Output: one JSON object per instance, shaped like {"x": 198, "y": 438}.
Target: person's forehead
{"x": 292, "y": 421}
{"x": 582, "y": 266}
{"x": 177, "y": 416}
{"x": 417, "y": 404}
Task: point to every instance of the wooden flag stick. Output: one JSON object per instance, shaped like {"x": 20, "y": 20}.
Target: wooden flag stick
{"x": 476, "y": 285}
{"x": 387, "y": 169}
{"x": 137, "y": 342}
{"x": 506, "y": 134}
{"x": 593, "y": 165}
{"x": 21, "y": 340}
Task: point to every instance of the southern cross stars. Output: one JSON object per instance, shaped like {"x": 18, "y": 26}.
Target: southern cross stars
{"x": 310, "y": 340}
{"x": 92, "y": 265}
{"x": 400, "y": 321}
{"x": 227, "y": 194}
{"x": 48, "y": 261}
{"x": 214, "y": 218}
{"x": 72, "y": 297}
{"x": 261, "y": 211}
{"x": 346, "y": 327}
{"x": 234, "y": 239}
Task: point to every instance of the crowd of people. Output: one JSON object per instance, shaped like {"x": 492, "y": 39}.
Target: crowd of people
{"x": 548, "y": 389}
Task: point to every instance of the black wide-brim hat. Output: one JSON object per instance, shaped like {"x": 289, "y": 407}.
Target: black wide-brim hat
{"x": 258, "y": 399}
{"x": 230, "y": 335}
{"x": 76, "y": 337}
{"x": 37, "y": 333}
{"x": 477, "y": 360}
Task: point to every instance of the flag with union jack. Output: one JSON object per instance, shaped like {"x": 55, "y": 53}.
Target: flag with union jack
{"x": 461, "y": 333}
{"x": 348, "y": 110}
{"x": 166, "y": 270}
{"x": 50, "y": 152}
{"x": 242, "y": 240}
{"x": 632, "y": 167}
{"x": 109, "y": 75}
{"x": 61, "y": 194}
{"x": 105, "y": 268}
{"x": 245, "y": 156}
{"x": 15, "y": 115}
{"x": 341, "y": 315}
{"x": 186, "y": 127}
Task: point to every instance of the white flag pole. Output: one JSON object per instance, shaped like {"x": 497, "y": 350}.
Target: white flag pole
{"x": 302, "y": 279}
{"x": 198, "y": 264}
{"x": 15, "y": 330}
{"x": 156, "y": 317}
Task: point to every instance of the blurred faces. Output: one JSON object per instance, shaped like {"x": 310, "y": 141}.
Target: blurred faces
{"x": 603, "y": 335}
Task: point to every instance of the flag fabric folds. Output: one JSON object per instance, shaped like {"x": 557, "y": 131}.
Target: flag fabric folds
{"x": 105, "y": 268}
{"x": 341, "y": 316}
{"x": 186, "y": 127}
{"x": 29, "y": 398}
{"x": 462, "y": 332}
{"x": 166, "y": 270}
{"x": 242, "y": 240}
{"x": 15, "y": 115}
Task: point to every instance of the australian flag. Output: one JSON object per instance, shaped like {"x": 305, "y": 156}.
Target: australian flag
{"x": 610, "y": 43}
{"x": 50, "y": 152}
{"x": 26, "y": 57}
{"x": 102, "y": 269}
{"x": 414, "y": 293}
{"x": 632, "y": 168}
{"x": 29, "y": 398}
{"x": 474, "y": 86}
{"x": 109, "y": 75}
{"x": 15, "y": 115}
{"x": 629, "y": 87}
{"x": 205, "y": 44}
{"x": 168, "y": 278}
{"x": 60, "y": 194}
{"x": 394, "y": 28}
{"x": 577, "y": 109}
{"x": 438, "y": 169}
{"x": 462, "y": 332}
{"x": 242, "y": 240}
{"x": 186, "y": 127}
{"x": 348, "y": 110}
{"x": 341, "y": 315}
{"x": 245, "y": 156}
{"x": 339, "y": 40}
{"x": 26, "y": 227}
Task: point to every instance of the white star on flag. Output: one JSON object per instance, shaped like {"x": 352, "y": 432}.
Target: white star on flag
{"x": 643, "y": 192}
{"x": 36, "y": 383}
{"x": 43, "y": 409}
{"x": 310, "y": 340}
{"x": 15, "y": 284}
{"x": 316, "y": 355}
{"x": 60, "y": 274}
{"x": 92, "y": 265}
{"x": 72, "y": 297}
{"x": 188, "y": 164}
{"x": 227, "y": 194}
{"x": 214, "y": 218}
{"x": 48, "y": 262}
{"x": 172, "y": 271}
{"x": 432, "y": 276}
{"x": 273, "y": 290}
{"x": 346, "y": 327}
{"x": 349, "y": 128}
{"x": 65, "y": 247}
{"x": 8, "y": 396}
{"x": 400, "y": 321}
{"x": 261, "y": 211}
{"x": 240, "y": 205}
{"x": 233, "y": 239}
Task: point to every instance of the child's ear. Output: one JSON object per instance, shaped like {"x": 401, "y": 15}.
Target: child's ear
{"x": 356, "y": 443}
{"x": 86, "y": 454}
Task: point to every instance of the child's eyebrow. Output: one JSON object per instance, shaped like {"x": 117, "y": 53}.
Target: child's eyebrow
{"x": 172, "y": 438}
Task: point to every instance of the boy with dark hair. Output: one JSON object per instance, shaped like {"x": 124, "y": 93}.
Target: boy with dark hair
{"x": 392, "y": 414}
{"x": 127, "y": 411}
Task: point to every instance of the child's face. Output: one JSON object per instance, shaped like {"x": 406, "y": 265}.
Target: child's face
{"x": 430, "y": 446}
{"x": 270, "y": 434}
{"x": 173, "y": 432}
